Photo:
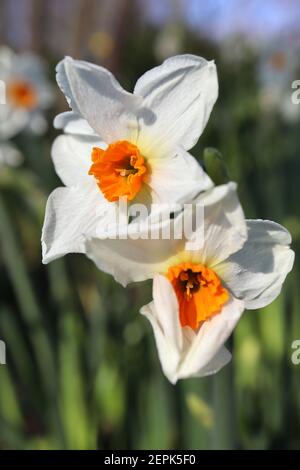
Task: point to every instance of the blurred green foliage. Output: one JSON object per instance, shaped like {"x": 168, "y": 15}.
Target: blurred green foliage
{"x": 82, "y": 368}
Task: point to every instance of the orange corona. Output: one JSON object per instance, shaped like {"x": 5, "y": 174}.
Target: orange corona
{"x": 119, "y": 170}
{"x": 199, "y": 292}
{"x": 22, "y": 94}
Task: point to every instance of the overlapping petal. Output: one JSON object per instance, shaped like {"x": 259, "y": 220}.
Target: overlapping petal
{"x": 131, "y": 259}
{"x": 138, "y": 256}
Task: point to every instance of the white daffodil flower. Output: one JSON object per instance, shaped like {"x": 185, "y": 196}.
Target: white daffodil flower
{"x": 25, "y": 93}
{"x": 199, "y": 295}
{"x": 125, "y": 145}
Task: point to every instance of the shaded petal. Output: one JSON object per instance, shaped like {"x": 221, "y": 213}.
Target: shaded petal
{"x": 71, "y": 215}
{"x": 225, "y": 229}
{"x": 72, "y": 123}
{"x": 256, "y": 272}
{"x": 95, "y": 94}
{"x": 220, "y": 360}
{"x": 201, "y": 357}
{"x": 181, "y": 92}
{"x": 177, "y": 179}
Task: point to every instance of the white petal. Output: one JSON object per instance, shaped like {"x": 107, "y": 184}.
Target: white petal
{"x": 177, "y": 179}
{"x": 30, "y": 67}
{"x": 181, "y": 92}
{"x": 33, "y": 69}
{"x": 220, "y": 360}
{"x": 95, "y": 94}
{"x": 37, "y": 123}
{"x": 163, "y": 315}
{"x": 7, "y": 58}
{"x": 46, "y": 94}
{"x": 225, "y": 228}
{"x": 167, "y": 316}
{"x": 72, "y": 159}
{"x": 12, "y": 121}
{"x": 72, "y": 123}
{"x": 256, "y": 272}
{"x": 168, "y": 355}
{"x": 165, "y": 302}
{"x": 10, "y": 155}
{"x": 71, "y": 215}
{"x": 209, "y": 341}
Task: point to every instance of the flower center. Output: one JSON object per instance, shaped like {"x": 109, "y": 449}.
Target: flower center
{"x": 199, "y": 292}
{"x": 22, "y": 94}
{"x": 119, "y": 170}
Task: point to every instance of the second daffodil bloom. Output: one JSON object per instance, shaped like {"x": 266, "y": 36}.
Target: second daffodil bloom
{"x": 125, "y": 145}
{"x": 199, "y": 295}
{"x": 26, "y": 93}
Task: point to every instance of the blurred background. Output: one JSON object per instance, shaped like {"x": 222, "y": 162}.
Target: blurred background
{"x": 82, "y": 370}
